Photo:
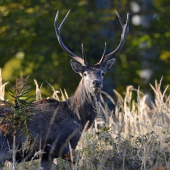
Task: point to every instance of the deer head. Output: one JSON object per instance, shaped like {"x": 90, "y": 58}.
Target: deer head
{"x": 92, "y": 75}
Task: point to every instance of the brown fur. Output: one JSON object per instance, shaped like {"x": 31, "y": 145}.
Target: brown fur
{"x": 57, "y": 123}
{"x": 54, "y": 119}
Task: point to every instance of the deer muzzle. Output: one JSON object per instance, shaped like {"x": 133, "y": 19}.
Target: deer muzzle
{"x": 96, "y": 86}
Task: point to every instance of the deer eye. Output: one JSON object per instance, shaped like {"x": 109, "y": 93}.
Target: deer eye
{"x": 84, "y": 74}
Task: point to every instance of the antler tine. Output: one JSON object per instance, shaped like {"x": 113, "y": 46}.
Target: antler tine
{"x": 63, "y": 19}
{"x": 57, "y": 30}
{"x": 120, "y": 19}
{"x": 125, "y": 30}
{"x": 83, "y": 54}
{"x": 103, "y": 56}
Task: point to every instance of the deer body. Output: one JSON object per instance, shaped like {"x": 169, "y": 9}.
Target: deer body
{"x": 56, "y": 124}
{"x": 59, "y": 120}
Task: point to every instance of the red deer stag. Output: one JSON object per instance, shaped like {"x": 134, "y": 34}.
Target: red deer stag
{"x": 55, "y": 123}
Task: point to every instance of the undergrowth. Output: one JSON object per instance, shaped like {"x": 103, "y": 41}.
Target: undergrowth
{"x": 136, "y": 135}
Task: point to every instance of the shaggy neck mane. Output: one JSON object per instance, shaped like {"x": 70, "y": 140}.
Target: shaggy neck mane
{"x": 83, "y": 104}
{"x": 82, "y": 94}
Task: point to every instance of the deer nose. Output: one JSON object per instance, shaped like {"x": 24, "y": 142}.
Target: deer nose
{"x": 96, "y": 83}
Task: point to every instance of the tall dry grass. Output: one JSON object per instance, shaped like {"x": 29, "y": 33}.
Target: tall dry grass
{"x": 137, "y": 136}
{"x": 133, "y": 136}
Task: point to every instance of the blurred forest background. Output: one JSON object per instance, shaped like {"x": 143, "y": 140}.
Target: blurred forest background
{"x": 28, "y": 43}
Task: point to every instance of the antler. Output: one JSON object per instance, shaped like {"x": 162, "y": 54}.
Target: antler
{"x": 125, "y": 30}
{"x": 79, "y": 59}
{"x": 83, "y": 54}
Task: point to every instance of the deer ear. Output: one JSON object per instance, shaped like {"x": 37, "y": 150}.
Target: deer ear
{"x": 76, "y": 66}
{"x": 109, "y": 65}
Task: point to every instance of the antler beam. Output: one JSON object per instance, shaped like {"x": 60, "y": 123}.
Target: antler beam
{"x": 79, "y": 59}
{"x": 125, "y": 30}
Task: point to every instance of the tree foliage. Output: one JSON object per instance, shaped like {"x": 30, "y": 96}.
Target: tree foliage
{"x": 28, "y": 41}
{"x": 16, "y": 120}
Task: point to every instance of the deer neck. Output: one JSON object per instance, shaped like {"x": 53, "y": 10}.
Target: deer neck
{"x": 83, "y": 96}
{"x": 84, "y": 104}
